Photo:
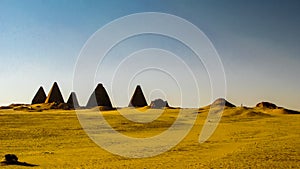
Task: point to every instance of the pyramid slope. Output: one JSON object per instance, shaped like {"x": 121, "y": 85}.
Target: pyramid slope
{"x": 39, "y": 97}
{"x": 99, "y": 98}
{"x": 54, "y": 96}
{"x": 73, "y": 101}
{"x": 138, "y": 98}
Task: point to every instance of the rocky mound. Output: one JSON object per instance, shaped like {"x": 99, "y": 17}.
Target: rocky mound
{"x": 267, "y": 105}
{"x": 158, "y": 104}
{"x": 281, "y": 110}
{"x": 222, "y": 102}
{"x": 244, "y": 112}
{"x": 11, "y": 106}
{"x": 138, "y": 98}
{"x": 12, "y": 159}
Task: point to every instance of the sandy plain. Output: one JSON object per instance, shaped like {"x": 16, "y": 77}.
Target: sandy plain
{"x": 245, "y": 138}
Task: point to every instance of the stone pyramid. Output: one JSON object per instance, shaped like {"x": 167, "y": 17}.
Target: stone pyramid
{"x": 39, "y": 97}
{"x": 99, "y": 98}
{"x": 54, "y": 96}
{"x": 72, "y": 101}
{"x": 138, "y": 98}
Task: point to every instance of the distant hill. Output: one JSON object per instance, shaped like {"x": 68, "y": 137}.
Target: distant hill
{"x": 262, "y": 109}
{"x": 222, "y": 102}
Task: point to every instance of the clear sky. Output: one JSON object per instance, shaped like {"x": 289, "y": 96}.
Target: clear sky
{"x": 258, "y": 42}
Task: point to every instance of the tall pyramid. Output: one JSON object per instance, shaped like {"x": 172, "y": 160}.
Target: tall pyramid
{"x": 138, "y": 98}
{"x": 39, "y": 97}
{"x": 99, "y": 98}
{"x": 54, "y": 96}
{"x": 72, "y": 101}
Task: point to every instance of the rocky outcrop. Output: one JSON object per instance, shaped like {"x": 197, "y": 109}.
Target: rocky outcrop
{"x": 266, "y": 105}
{"x": 158, "y": 104}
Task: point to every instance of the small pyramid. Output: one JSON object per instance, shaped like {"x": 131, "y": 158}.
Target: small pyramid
{"x": 138, "y": 98}
{"x": 99, "y": 98}
{"x": 72, "y": 101}
{"x": 39, "y": 97}
{"x": 54, "y": 96}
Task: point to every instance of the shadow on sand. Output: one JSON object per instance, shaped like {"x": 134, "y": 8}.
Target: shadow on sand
{"x": 11, "y": 159}
{"x": 4, "y": 163}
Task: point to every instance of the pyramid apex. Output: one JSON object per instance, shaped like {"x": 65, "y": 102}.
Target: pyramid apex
{"x": 99, "y": 85}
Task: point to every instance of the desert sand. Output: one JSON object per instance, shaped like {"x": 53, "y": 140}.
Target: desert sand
{"x": 256, "y": 137}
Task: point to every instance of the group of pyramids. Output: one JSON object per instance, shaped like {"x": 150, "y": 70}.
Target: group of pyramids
{"x": 55, "y": 96}
{"x": 99, "y": 97}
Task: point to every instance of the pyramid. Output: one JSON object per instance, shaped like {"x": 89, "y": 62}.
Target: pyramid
{"x": 54, "y": 96}
{"x": 39, "y": 97}
{"x": 138, "y": 98}
{"x": 99, "y": 98}
{"x": 72, "y": 101}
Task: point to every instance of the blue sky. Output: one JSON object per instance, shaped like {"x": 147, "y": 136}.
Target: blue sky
{"x": 258, "y": 43}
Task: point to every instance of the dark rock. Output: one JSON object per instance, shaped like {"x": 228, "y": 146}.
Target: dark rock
{"x": 266, "y": 105}
{"x": 11, "y": 158}
{"x": 158, "y": 104}
{"x": 63, "y": 106}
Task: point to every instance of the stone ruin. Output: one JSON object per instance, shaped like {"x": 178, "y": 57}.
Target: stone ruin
{"x": 159, "y": 104}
